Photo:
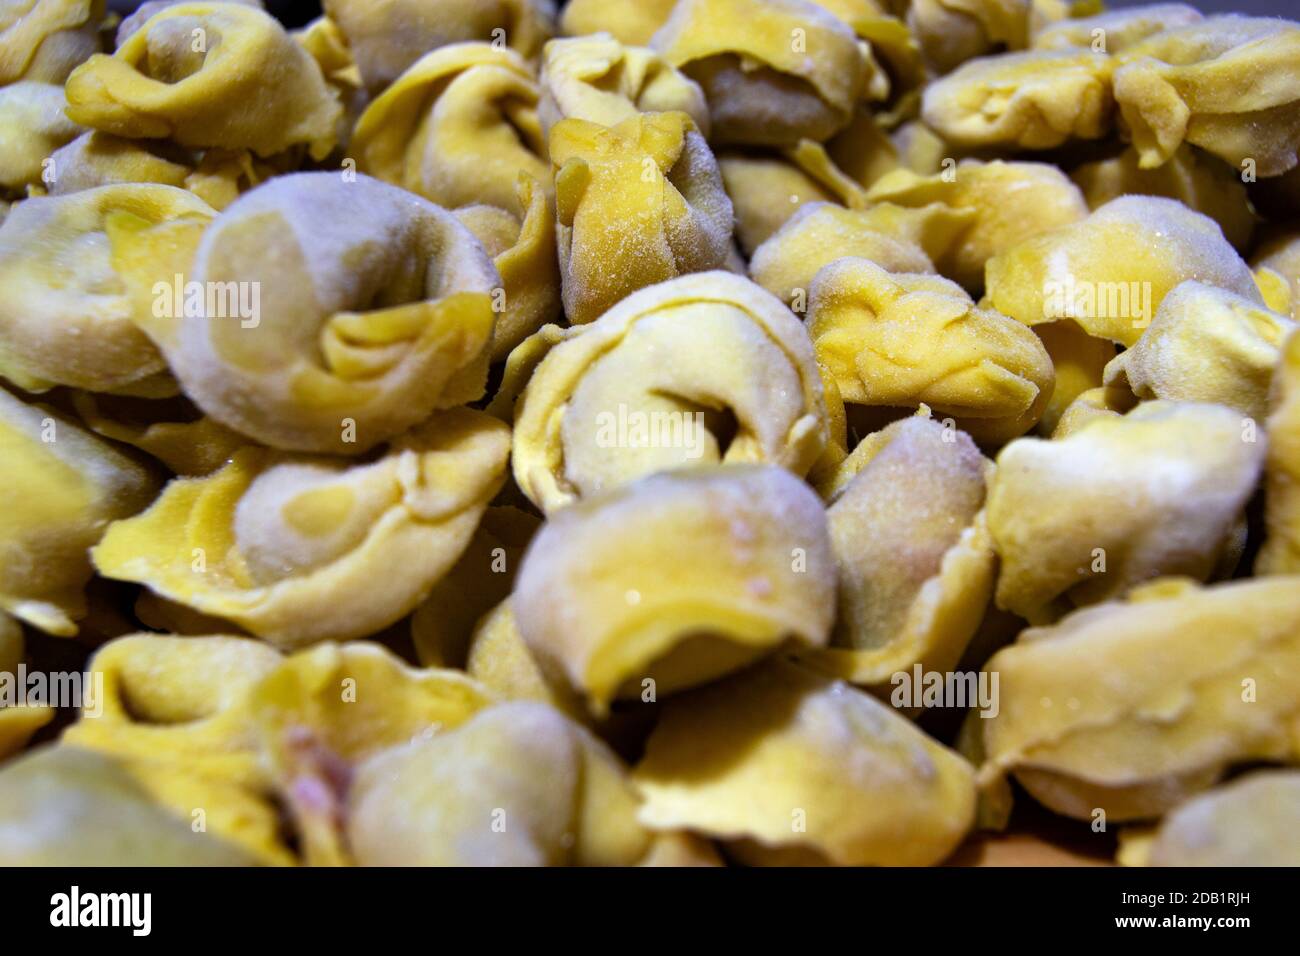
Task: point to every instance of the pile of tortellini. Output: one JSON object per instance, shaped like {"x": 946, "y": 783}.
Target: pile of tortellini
{"x": 502, "y": 432}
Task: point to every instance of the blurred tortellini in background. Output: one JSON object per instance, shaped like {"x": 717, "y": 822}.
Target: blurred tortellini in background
{"x": 649, "y": 432}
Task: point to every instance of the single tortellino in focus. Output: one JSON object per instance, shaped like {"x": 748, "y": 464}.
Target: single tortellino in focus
{"x": 1033, "y": 100}
{"x": 1249, "y": 822}
{"x": 901, "y": 340}
{"x": 387, "y": 36}
{"x": 792, "y": 768}
{"x": 676, "y": 579}
{"x": 32, "y": 127}
{"x": 1081, "y": 519}
{"x": 950, "y": 32}
{"x": 1012, "y": 202}
{"x": 1281, "y": 550}
{"x": 636, "y": 204}
{"x": 1277, "y": 268}
{"x": 629, "y": 21}
{"x": 458, "y": 127}
{"x": 517, "y": 784}
{"x": 248, "y": 86}
{"x": 44, "y": 40}
{"x": 269, "y": 539}
{"x": 1114, "y": 30}
{"x": 64, "y": 806}
{"x": 1110, "y": 272}
{"x": 323, "y": 712}
{"x": 773, "y": 71}
{"x": 1133, "y": 706}
{"x": 1205, "y": 345}
{"x": 820, "y": 233}
{"x": 68, "y": 309}
{"x": 1227, "y": 84}
{"x": 596, "y": 78}
{"x": 360, "y": 310}
{"x": 1199, "y": 181}
{"x": 65, "y": 486}
{"x": 915, "y": 562}
{"x": 706, "y": 368}
{"x": 182, "y": 701}
{"x": 523, "y": 251}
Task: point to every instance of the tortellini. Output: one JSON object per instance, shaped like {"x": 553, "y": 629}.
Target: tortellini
{"x": 1011, "y": 202}
{"x": 32, "y": 126}
{"x": 19, "y": 722}
{"x": 820, "y": 233}
{"x": 267, "y": 539}
{"x": 1280, "y": 553}
{"x": 1081, "y": 519}
{"x": 209, "y": 74}
{"x": 773, "y": 71}
{"x": 641, "y": 390}
{"x": 1277, "y": 271}
{"x": 69, "y": 296}
{"x": 1205, "y": 345}
{"x": 1248, "y": 822}
{"x": 1114, "y": 30}
{"x": 636, "y": 204}
{"x": 789, "y": 767}
{"x": 629, "y": 21}
{"x": 1227, "y": 84}
{"x": 387, "y": 36}
{"x": 332, "y": 315}
{"x": 1032, "y": 100}
{"x": 523, "y": 252}
{"x": 459, "y": 127}
{"x": 64, "y": 806}
{"x": 1200, "y": 182}
{"x": 714, "y": 568}
{"x": 66, "y": 486}
{"x": 915, "y": 560}
{"x": 952, "y": 31}
{"x": 517, "y": 784}
{"x": 1110, "y": 272}
{"x": 1132, "y": 706}
{"x": 596, "y": 78}
{"x": 905, "y": 340}
{"x": 44, "y": 40}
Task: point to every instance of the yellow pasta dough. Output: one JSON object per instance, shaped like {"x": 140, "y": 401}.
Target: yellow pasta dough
{"x": 1280, "y": 553}
{"x": 1226, "y": 84}
{"x": 44, "y": 40}
{"x": 458, "y": 127}
{"x": 773, "y": 71}
{"x": 209, "y": 74}
{"x": 322, "y": 314}
{"x": 714, "y": 568}
{"x": 642, "y": 390}
{"x": 1130, "y": 707}
{"x": 270, "y": 538}
{"x": 1121, "y": 500}
{"x": 69, "y": 306}
{"x": 71, "y": 485}
{"x": 1110, "y": 272}
{"x": 903, "y": 340}
{"x": 636, "y": 204}
{"x": 789, "y": 767}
